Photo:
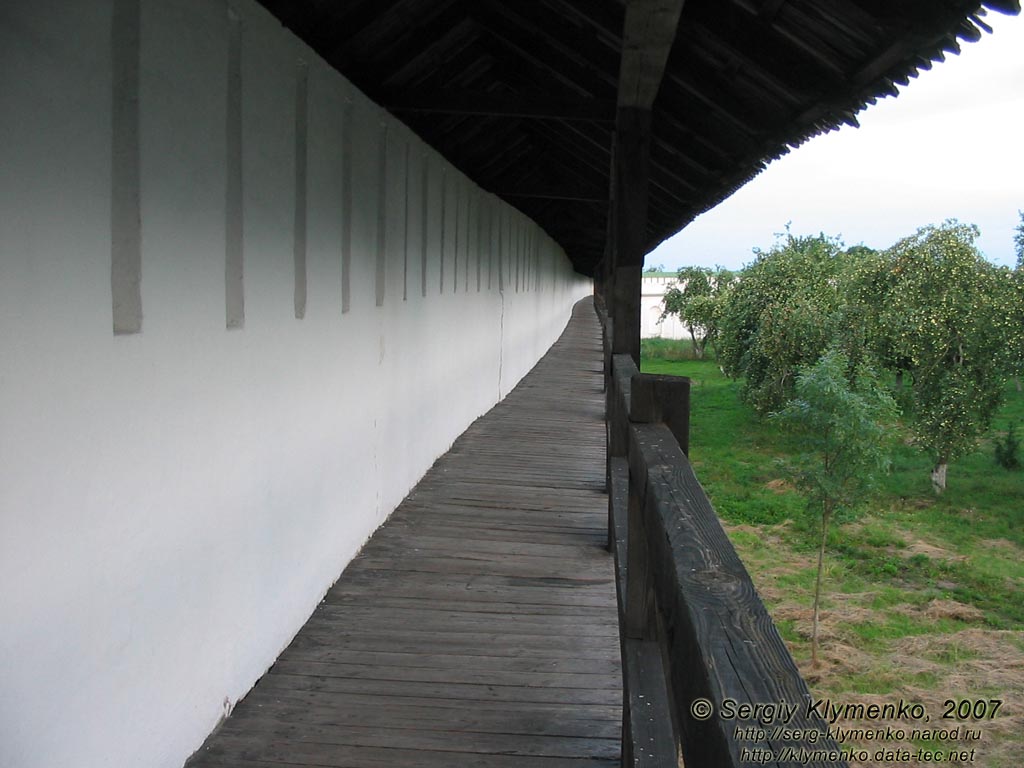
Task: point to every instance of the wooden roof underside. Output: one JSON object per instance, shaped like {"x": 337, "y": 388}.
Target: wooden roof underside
{"x": 521, "y": 96}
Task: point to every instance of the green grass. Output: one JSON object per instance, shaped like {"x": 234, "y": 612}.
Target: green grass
{"x": 979, "y": 521}
{"x": 965, "y": 545}
{"x": 905, "y": 570}
{"x": 667, "y": 349}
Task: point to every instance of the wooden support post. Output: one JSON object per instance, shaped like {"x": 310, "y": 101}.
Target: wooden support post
{"x": 652, "y": 400}
{"x": 631, "y": 176}
{"x": 664, "y": 400}
{"x": 617, "y": 401}
{"x": 640, "y": 621}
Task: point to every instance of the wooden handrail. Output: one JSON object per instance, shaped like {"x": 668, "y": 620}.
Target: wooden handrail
{"x": 692, "y": 626}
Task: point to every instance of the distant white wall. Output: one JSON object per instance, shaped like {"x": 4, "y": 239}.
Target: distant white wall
{"x": 652, "y": 294}
{"x": 175, "y": 502}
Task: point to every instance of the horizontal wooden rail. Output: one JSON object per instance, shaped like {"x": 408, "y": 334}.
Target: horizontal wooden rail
{"x": 697, "y": 642}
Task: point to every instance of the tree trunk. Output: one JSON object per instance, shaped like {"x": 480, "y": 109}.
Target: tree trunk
{"x": 698, "y": 350}
{"x": 817, "y": 584}
{"x": 1016, "y": 380}
{"x": 939, "y": 476}
{"x": 899, "y": 379}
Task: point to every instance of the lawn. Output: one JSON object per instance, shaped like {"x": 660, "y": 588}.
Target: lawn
{"x": 924, "y": 595}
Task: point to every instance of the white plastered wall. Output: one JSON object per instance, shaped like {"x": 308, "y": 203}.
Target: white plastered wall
{"x": 175, "y": 502}
{"x": 652, "y": 304}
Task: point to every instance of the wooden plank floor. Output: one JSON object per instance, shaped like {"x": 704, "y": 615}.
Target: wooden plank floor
{"x": 478, "y": 625}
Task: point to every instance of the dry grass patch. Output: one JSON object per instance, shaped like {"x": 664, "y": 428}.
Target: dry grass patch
{"x": 951, "y": 609}
{"x": 931, "y": 551}
{"x": 936, "y": 664}
{"x": 1002, "y": 547}
{"x": 934, "y": 670}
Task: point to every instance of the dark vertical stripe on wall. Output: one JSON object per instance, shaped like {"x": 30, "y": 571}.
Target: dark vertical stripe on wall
{"x": 469, "y": 242}
{"x": 510, "y": 252}
{"x": 526, "y": 259}
{"x": 490, "y": 243}
{"x": 234, "y": 286}
{"x": 424, "y": 219}
{"x": 524, "y": 268}
{"x": 458, "y": 228}
{"x": 405, "y": 244}
{"x": 524, "y": 249}
{"x": 533, "y": 260}
{"x": 444, "y": 216}
{"x": 536, "y": 263}
{"x": 501, "y": 250}
{"x": 518, "y": 250}
{"x": 527, "y": 250}
{"x": 301, "y": 148}
{"x": 382, "y": 213}
{"x": 346, "y": 205}
{"x": 125, "y": 215}
{"x": 479, "y": 241}
{"x": 524, "y": 244}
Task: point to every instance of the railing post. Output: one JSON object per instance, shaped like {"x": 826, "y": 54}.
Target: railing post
{"x": 648, "y": 719}
{"x": 657, "y": 399}
{"x": 617, "y": 416}
{"x": 653, "y": 399}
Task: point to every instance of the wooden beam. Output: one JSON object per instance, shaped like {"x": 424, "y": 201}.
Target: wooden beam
{"x": 770, "y": 10}
{"x": 650, "y": 29}
{"x": 581, "y": 77}
{"x": 491, "y": 104}
{"x": 553, "y": 31}
{"x": 629, "y": 209}
{"x": 648, "y": 32}
{"x": 543, "y": 194}
{"x": 369, "y": 28}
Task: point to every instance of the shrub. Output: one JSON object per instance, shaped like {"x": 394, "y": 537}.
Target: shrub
{"x": 1007, "y": 449}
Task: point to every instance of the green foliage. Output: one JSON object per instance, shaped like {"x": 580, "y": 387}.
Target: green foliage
{"x": 1016, "y": 341}
{"x": 737, "y": 458}
{"x": 1018, "y": 241}
{"x": 930, "y": 310}
{"x": 782, "y": 313}
{"x": 842, "y": 423}
{"x": 1007, "y": 449}
{"x": 905, "y": 549}
{"x": 940, "y": 312}
{"x": 697, "y": 302}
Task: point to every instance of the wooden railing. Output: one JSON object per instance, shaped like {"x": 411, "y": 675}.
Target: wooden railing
{"x": 699, "y": 650}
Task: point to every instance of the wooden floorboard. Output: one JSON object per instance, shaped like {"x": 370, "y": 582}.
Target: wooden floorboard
{"x": 477, "y": 627}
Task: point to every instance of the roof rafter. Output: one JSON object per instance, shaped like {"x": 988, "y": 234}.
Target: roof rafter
{"x": 498, "y": 104}
{"x": 648, "y": 33}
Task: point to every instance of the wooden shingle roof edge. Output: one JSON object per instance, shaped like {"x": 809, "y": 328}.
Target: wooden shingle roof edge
{"x": 896, "y": 67}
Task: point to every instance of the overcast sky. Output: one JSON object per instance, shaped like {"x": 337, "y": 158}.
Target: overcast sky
{"x": 951, "y": 145}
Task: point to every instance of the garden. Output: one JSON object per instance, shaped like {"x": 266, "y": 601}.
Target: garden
{"x": 855, "y": 420}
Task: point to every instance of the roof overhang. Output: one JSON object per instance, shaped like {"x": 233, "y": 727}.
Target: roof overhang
{"x": 522, "y": 96}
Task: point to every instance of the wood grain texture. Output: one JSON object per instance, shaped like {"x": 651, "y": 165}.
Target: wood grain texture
{"x": 651, "y": 741}
{"x": 648, "y": 34}
{"x": 720, "y": 640}
{"x": 686, "y": 592}
{"x": 478, "y": 626}
{"x": 660, "y": 399}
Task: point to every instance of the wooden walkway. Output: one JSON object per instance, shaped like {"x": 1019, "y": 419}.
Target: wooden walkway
{"x": 478, "y": 625}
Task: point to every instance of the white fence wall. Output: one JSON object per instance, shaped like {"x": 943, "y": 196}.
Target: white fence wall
{"x": 175, "y": 501}
{"x": 653, "y": 288}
